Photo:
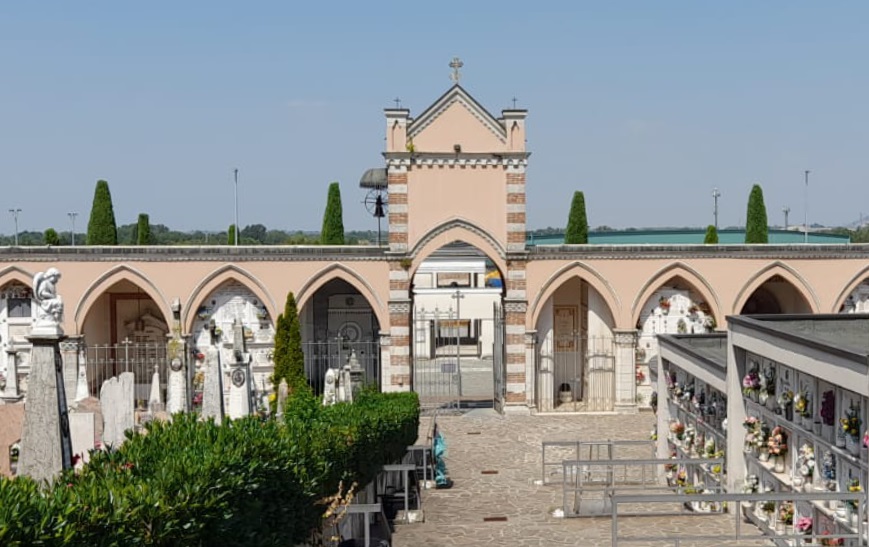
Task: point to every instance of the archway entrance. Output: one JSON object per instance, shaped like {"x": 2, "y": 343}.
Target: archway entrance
{"x": 339, "y": 326}
{"x": 125, "y": 331}
{"x": 457, "y": 334}
{"x": 776, "y": 295}
{"x": 575, "y": 361}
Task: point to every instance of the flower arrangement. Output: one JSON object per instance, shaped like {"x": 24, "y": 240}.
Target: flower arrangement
{"x": 804, "y": 525}
{"x": 664, "y": 304}
{"x": 767, "y": 384}
{"x": 828, "y": 466}
{"x": 831, "y": 541}
{"x": 828, "y": 407}
{"x": 750, "y": 423}
{"x": 653, "y": 435}
{"x": 806, "y": 460}
{"x": 709, "y": 448}
{"x": 802, "y": 404}
{"x": 640, "y": 376}
{"x": 778, "y": 442}
{"x": 750, "y": 383}
{"x": 785, "y": 398}
{"x": 786, "y": 512}
{"x": 767, "y": 507}
{"x": 854, "y": 486}
{"x": 751, "y": 484}
{"x": 681, "y": 477}
{"x": 851, "y": 422}
{"x": 866, "y": 439}
{"x": 699, "y": 401}
{"x": 677, "y": 428}
{"x": 14, "y": 451}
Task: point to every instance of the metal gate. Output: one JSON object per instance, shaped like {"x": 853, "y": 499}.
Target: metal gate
{"x": 142, "y": 359}
{"x": 320, "y": 356}
{"x": 453, "y": 359}
{"x": 575, "y": 373}
{"x": 499, "y": 362}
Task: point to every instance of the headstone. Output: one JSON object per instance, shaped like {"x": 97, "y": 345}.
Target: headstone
{"x": 46, "y": 448}
{"x": 92, "y": 405}
{"x": 11, "y": 394}
{"x": 239, "y": 388}
{"x": 117, "y": 399}
{"x": 212, "y": 397}
{"x": 82, "y": 430}
{"x": 283, "y": 391}
{"x": 11, "y": 428}
{"x": 355, "y": 375}
{"x": 176, "y": 391}
{"x": 330, "y": 387}
{"x": 155, "y": 400}
{"x": 82, "y": 390}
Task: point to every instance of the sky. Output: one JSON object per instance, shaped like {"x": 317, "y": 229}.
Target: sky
{"x": 644, "y": 106}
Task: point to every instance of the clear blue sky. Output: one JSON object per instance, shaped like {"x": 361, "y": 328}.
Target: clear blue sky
{"x": 645, "y": 106}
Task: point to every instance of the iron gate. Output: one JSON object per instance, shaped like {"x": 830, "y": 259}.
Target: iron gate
{"x": 142, "y": 359}
{"x": 499, "y": 362}
{"x": 575, "y": 373}
{"x": 320, "y": 356}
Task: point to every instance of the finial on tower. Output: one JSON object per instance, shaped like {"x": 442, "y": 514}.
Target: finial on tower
{"x": 456, "y": 64}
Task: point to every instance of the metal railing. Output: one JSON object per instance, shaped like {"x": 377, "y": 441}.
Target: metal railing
{"x": 588, "y": 450}
{"x": 752, "y": 532}
{"x": 589, "y": 485}
{"x": 320, "y": 356}
{"x": 103, "y": 362}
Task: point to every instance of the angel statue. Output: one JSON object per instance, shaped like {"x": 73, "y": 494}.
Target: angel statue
{"x": 50, "y": 305}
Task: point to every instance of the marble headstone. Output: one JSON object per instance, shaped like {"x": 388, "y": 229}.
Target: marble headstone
{"x": 117, "y": 400}
{"x": 176, "y": 392}
{"x": 212, "y": 397}
{"x": 239, "y": 388}
{"x": 82, "y": 430}
{"x": 283, "y": 390}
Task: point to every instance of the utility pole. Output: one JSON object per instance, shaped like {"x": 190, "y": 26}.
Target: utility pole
{"x": 715, "y": 195}
{"x": 237, "y": 228}
{"x": 806, "y": 209}
{"x": 458, "y": 297}
{"x": 15, "y": 217}
{"x": 786, "y": 210}
{"x": 72, "y": 215}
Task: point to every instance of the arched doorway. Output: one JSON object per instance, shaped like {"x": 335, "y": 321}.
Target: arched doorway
{"x": 125, "y": 331}
{"x": 339, "y": 327}
{"x": 858, "y": 300}
{"x": 575, "y": 361}
{"x": 776, "y": 295}
{"x": 230, "y": 305}
{"x": 457, "y": 334}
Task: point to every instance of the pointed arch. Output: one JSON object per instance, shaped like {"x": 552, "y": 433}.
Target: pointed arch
{"x": 856, "y": 280}
{"x": 227, "y": 272}
{"x": 121, "y": 272}
{"x": 14, "y": 273}
{"x": 584, "y": 272}
{"x": 668, "y": 273}
{"x": 340, "y": 271}
{"x": 763, "y": 275}
{"x": 458, "y": 229}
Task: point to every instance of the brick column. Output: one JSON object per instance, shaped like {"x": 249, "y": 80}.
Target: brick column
{"x": 516, "y": 207}
{"x": 397, "y": 372}
{"x": 515, "y": 308}
{"x": 626, "y": 380}
{"x": 396, "y": 183}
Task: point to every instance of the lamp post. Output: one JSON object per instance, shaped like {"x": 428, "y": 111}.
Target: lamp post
{"x": 458, "y": 297}
{"x": 72, "y": 215}
{"x": 15, "y": 212}
{"x": 236, "y": 207}
{"x": 806, "y": 209}
{"x": 786, "y": 210}
{"x": 715, "y": 195}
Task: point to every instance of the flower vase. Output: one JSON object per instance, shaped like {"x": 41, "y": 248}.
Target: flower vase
{"x": 771, "y": 403}
{"x": 808, "y": 423}
{"x": 779, "y": 527}
{"x": 779, "y": 464}
{"x": 763, "y": 454}
{"x": 807, "y": 484}
{"x": 789, "y": 413}
{"x": 852, "y": 444}
{"x": 816, "y": 428}
{"x": 840, "y": 438}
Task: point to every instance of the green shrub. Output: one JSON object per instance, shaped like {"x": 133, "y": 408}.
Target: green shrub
{"x": 189, "y": 482}
{"x": 102, "y": 229}
{"x": 711, "y": 235}
{"x": 333, "y": 218}
{"x": 577, "y": 222}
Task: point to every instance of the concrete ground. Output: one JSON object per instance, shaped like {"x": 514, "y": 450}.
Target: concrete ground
{"x": 494, "y": 462}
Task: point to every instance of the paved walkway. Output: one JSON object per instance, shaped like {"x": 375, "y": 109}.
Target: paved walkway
{"x": 510, "y": 445}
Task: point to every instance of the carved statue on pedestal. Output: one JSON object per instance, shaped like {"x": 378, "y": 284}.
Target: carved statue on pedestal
{"x": 49, "y": 313}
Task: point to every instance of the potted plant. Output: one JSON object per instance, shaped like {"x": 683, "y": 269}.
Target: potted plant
{"x": 751, "y": 385}
{"x": 785, "y": 516}
{"x": 804, "y": 526}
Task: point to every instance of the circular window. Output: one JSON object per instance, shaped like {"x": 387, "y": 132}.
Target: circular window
{"x": 350, "y": 331}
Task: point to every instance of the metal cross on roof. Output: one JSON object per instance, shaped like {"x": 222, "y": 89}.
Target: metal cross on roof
{"x": 397, "y": 102}
{"x": 456, "y": 64}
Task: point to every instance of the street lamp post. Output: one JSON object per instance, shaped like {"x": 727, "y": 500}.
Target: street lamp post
{"x": 806, "y": 209}
{"x": 15, "y": 212}
{"x": 786, "y": 210}
{"x": 715, "y": 195}
{"x": 72, "y": 215}
{"x": 236, "y": 208}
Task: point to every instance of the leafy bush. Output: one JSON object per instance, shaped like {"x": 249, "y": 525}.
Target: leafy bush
{"x": 191, "y": 482}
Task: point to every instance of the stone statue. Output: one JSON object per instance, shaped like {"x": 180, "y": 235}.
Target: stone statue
{"x": 330, "y": 395}
{"x": 49, "y": 313}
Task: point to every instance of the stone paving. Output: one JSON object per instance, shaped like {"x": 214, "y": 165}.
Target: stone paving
{"x": 482, "y": 441}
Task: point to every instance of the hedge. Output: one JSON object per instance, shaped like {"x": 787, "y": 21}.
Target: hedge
{"x": 190, "y": 482}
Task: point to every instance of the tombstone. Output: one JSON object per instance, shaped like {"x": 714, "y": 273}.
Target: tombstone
{"x": 176, "y": 390}
{"x": 354, "y": 376}
{"x": 11, "y": 427}
{"x": 212, "y": 397}
{"x": 283, "y": 391}
{"x": 155, "y": 399}
{"x": 117, "y": 400}
{"x": 240, "y": 388}
{"x": 82, "y": 431}
{"x": 330, "y": 387}
{"x": 11, "y": 394}
{"x": 82, "y": 391}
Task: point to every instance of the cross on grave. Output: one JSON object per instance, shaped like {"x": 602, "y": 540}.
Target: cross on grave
{"x": 456, "y": 64}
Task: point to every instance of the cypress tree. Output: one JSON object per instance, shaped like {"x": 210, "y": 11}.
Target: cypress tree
{"x": 711, "y": 235}
{"x": 230, "y": 235}
{"x": 143, "y": 230}
{"x": 288, "y": 355}
{"x": 577, "y": 222}
{"x": 756, "y": 227}
{"x": 333, "y": 219}
{"x": 102, "y": 229}
{"x": 50, "y": 237}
